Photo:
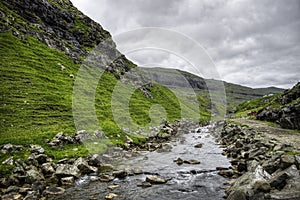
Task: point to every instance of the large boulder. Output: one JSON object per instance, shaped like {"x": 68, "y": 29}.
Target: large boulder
{"x": 66, "y": 170}
{"x": 84, "y": 167}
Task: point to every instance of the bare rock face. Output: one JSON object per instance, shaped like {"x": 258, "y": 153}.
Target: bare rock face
{"x": 288, "y": 115}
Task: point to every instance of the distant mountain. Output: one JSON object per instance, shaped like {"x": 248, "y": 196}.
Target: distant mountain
{"x": 235, "y": 94}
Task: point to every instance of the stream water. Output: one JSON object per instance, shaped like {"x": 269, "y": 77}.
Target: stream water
{"x": 186, "y": 181}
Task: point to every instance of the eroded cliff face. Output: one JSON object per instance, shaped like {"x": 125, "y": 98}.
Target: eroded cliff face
{"x": 57, "y": 23}
{"x": 284, "y": 110}
{"x": 60, "y": 25}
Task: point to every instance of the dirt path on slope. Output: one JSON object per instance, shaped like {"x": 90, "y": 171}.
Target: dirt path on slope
{"x": 284, "y": 136}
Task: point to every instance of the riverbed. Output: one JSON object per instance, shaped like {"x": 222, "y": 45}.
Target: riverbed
{"x": 185, "y": 181}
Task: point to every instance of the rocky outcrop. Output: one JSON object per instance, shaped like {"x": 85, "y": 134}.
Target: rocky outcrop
{"x": 264, "y": 169}
{"x": 284, "y": 110}
{"x": 61, "y": 26}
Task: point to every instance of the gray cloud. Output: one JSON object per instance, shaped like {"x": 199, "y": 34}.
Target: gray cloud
{"x": 254, "y": 43}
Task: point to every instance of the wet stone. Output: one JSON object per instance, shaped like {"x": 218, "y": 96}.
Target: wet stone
{"x": 155, "y": 180}
{"x": 111, "y": 196}
{"x": 52, "y": 190}
{"x": 179, "y": 161}
{"x": 200, "y": 145}
{"x": 192, "y": 162}
{"x": 112, "y": 187}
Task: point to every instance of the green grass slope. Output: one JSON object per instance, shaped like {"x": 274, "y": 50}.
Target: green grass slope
{"x": 36, "y": 99}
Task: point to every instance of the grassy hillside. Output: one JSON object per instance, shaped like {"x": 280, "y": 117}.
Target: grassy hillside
{"x": 36, "y": 98}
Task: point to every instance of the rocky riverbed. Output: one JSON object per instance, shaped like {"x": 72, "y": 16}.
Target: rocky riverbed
{"x": 265, "y": 165}
{"x": 185, "y": 162}
{"x": 185, "y": 167}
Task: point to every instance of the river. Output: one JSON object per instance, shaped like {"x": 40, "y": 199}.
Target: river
{"x": 186, "y": 181}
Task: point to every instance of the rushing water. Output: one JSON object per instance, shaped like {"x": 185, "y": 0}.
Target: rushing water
{"x": 188, "y": 182}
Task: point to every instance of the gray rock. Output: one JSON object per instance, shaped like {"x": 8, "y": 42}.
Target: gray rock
{"x": 81, "y": 136}
{"x": 95, "y": 160}
{"x": 65, "y": 170}
{"x": 104, "y": 167}
{"x": 200, "y": 145}
{"x": 144, "y": 184}
{"x": 8, "y": 161}
{"x": 47, "y": 169}
{"x": 52, "y": 190}
{"x": 12, "y": 196}
{"x": 279, "y": 179}
{"x": 120, "y": 174}
{"x": 33, "y": 175}
{"x": 106, "y": 178}
{"x": 286, "y": 161}
{"x": 67, "y": 180}
{"x": 239, "y": 194}
{"x": 297, "y": 158}
{"x": 8, "y": 148}
{"x": 261, "y": 186}
{"x": 192, "y": 162}
{"x": 37, "y": 149}
{"x": 226, "y": 173}
{"x": 155, "y": 180}
{"x": 84, "y": 167}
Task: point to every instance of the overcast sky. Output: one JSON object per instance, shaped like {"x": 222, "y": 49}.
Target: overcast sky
{"x": 254, "y": 43}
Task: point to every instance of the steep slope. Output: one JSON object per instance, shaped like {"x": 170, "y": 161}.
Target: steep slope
{"x": 42, "y": 46}
{"x": 284, "y": 110}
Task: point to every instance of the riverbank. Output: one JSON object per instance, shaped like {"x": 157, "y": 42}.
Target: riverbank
{"x": 40, "y": 176}
{"x": 265, "y": 161}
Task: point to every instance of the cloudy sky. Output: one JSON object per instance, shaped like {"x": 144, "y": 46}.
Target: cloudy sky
{"x": 252, "y": 42}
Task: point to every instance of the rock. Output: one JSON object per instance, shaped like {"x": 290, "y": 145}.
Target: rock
{"x": 52, "y": 190}
{"x": 155, "y": 180}
{"x": 8, "y": 161}
{"x": 112, "y": 187}
{"x": 286, "y": 161}
{"x": 179, "y": 161}
{"x": 61, "y": 139}
{"x": 120, "y": 174}
{"x": 239, "y": 194}
{"x": 200, "y": 145}
{"x": 297, "y": 158}
{"x": 25, "y": 190}
{"x": 37, "y": 149}
{"x": 67, "y": 180}
{"x": 104, "y": 167}
{"x": 12, "y": 196}
{"x": 191, "y": 162}
{"x": 111, "y": 196}
{"x": 72, "y": 76}
{"x": 106, "y": 178}
{"x": 81, "y": 136}
{"x": 271, "y": 165}
{"x": 280, "y": 178}
{"x": 65, "y": 170}
{"x": 11, "y": 189}
{"x": 47, "y": 169}
{"x": 144, "y": 184}
{"x": 37, "y": 159}
{"x": 33, "y": 175}
{"x": 226, "y": 173}
{"x": 165, "y": 147}
{"x": 95, "y": 160}
{"x": 83, "y": 166}
{"x": 261, "y": 186}
{"x": 284, "y": 195}
{"x": 128, "y": 140}
{"x": 8, "y": 148}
